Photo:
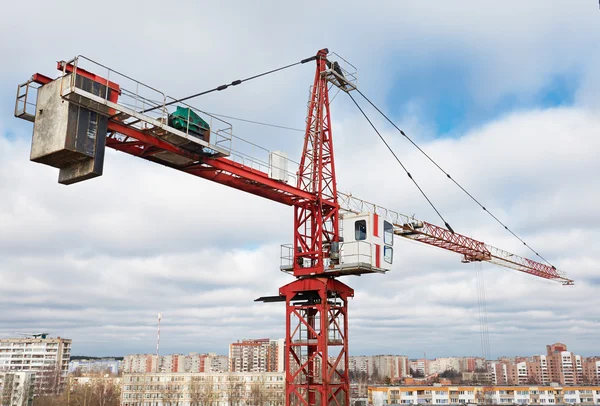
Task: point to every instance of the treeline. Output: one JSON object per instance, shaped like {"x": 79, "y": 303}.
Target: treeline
{"x": 80, "y": 357}
{"x": 99, "y": 392}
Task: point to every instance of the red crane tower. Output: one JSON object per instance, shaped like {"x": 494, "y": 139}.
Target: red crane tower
{"x": 81, "y": 112}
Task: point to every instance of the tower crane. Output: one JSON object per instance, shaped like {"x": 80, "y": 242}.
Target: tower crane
{"x": 89, "y": 107}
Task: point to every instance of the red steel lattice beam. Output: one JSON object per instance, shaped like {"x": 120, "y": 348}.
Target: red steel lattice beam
{"x": 316, "y": 348}
{"x": 316, "y": 223}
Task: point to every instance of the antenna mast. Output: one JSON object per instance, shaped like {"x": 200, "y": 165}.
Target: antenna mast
{"x": 158, "y": 342}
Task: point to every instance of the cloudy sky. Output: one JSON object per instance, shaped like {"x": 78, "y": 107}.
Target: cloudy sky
{"x": 503, "y": 94}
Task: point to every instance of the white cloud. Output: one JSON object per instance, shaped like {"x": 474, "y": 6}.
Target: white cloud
{"x": 143, "y": 239}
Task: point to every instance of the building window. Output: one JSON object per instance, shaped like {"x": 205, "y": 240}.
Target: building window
{"x": 388, "y": 254}
{"x": 388, "y": 233}
{"x": 360, "y": 230}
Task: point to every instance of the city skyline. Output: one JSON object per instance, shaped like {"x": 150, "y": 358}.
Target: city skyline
{"x": 542, "y": 351}
{"x": 511, "y": 114}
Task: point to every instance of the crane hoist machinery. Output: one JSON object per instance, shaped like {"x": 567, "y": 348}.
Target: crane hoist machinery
{"x": 89, "y": 107}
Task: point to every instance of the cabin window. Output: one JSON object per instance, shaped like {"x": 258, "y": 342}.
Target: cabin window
{"x": 360, "y": 230}
{"x": 388, "y": 233}
{"x": 388, "y": 254}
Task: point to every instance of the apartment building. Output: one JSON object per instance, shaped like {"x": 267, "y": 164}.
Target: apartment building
{"x": 558, "y": 366}
{"x": 47, "y": 357}
{"x": 87, "y": 366}
{"x": 441, "y": 365}
{"x": 210, "y": 362}
{"x": 394, "y": 367}
{"x": 192, "y": 362}
{"x": 498, "y": 395}
{"x": 216, "y": 389}
{"x": 257, "y": 355}
{"x": 17, "y": 388}
{"x": 140, "y": 363}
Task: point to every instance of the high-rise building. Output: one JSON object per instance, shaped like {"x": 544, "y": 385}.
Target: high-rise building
{"x": 210, "y": 362}
{"x": 257, "y": 355}
{"x": 47, "y": 357}
{"x": 17, "y": 388}
{"x": 557, "y": 366}
{"x": 141, "y": 363}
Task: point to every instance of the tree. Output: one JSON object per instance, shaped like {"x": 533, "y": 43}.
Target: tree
{"x": 415, "y": 373}
{"x": 202, "y": 393}
{"x": 375, "y": 374}
{"x": 258, "y": 392}
{"x": 48, "y": 380}
{"x": 106, "y": 392}
{"x": 235, "y": 390}
{"x": 171, "y": 392}
{"x": 450, "y": 374}
{"x": 98, "y": 392}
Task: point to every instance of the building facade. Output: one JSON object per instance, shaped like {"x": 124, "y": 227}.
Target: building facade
{"x": 499, "y": 395}
{"x": 195, "y": 389}
{"x": 87, "y": 366}
{"x": 257, "y": 355}
{"x": 379, "y": 367}
{"x": 193, "y": 362}
{"x": 557, "y": 366}
{"x": 210, "y": 362}
{"x": 17, "y": 388}
{"x": 47, "y": 357}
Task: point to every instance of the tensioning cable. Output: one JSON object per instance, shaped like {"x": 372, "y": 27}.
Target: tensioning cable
{"x": 402, "y": 165}
{"x": 234, "y": 83}
{"x": 452, "y": 179}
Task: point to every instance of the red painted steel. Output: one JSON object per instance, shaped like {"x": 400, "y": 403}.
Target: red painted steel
{"x": 69, "y": 68}
{"x": 472, "y": 250}
{"x": 40, "y": 79}
{"x": 316, "y": 223}
{"x": 220, "y": 170}
{"x": 317, "y": 342}
{"x": 317, "y": 306}
{"x": 375, "y": 225}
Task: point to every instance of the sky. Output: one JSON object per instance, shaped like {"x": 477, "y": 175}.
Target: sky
{"x": 504, "y": 95}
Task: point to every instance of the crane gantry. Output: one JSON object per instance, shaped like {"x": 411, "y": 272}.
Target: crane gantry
{"x": 85, "y": 109}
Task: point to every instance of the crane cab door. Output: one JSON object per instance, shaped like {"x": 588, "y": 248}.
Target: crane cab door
{"x": 368, "y": 239}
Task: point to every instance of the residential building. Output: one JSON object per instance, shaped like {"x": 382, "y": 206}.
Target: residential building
{"x": 217, "y": 389}
{"x": 419, "y": 366}
{"x": 591, "y": 371}
{"x": 210, "y": 362}
{"x": 192, "y": 362}
{"x": 17, "y": 388}
{"x": 497, "y": 395}
{"x": 140, "y": 363}
{"x": 557, "y": 366}
{"x": 87, "y": 366}
{"x": 47, "y": 357}
{"x": 440, "y": 365}
{"x": 172, "y": 363}
{"x": 257, "y": 355}
{"x": 379, "y": 367}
